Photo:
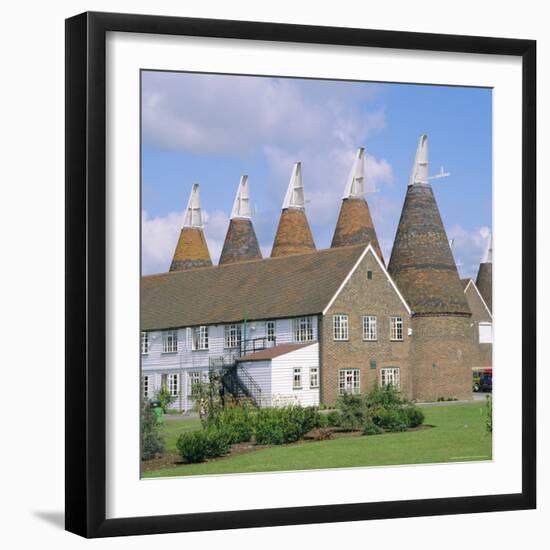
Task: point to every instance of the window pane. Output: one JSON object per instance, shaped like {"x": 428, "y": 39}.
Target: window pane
{"x": 390, "y": 377}
{"x": 297, "y": 381}
{"x": 270, "y": 331}
{"x": 314, "y": 377}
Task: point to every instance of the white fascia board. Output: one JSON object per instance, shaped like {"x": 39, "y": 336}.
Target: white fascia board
{"x": 352, "y": 271}
{"x": 480, "y": 296}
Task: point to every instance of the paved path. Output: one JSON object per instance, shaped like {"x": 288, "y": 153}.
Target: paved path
{"x": 476, "y": 396}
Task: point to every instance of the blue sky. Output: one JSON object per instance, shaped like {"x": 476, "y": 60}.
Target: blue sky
{"x": 210, "y": 129}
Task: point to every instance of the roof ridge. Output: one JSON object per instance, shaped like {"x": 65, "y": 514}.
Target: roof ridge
{"x": 313, "y": 253}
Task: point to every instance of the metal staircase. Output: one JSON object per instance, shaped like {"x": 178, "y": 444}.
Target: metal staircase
{"x": 236, "y": 380}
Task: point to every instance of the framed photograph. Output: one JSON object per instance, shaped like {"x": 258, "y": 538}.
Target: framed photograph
{"x": 281, "y": 301}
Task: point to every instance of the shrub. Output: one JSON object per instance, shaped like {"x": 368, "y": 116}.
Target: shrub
{"x": 307, "y": 417}
{"x": 218, "y": 442}
{"x": 152, "y": 442}
{"x": 237, "y": 421}
{"x": 275, "y": 426}
{"x": 370, "y": 428}
{"x": 193, "y": 446}
{"x": 412, "y": 415}
{"x": 269, "y": 429}
{"x": 334, "y": 418}
{"x": 352, "y": 412}
{"x": 324, "y": 421}
{"x": 385, "y": 396}
{"x": 391, "y": 420}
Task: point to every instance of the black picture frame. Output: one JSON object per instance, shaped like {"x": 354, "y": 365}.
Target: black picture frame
{"x": 86, "y": 269}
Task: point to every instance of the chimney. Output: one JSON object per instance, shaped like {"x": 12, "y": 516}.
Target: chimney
{"x": 191, "y": 250}
{"x": 293, "y": 233}
{"x": 484, "y": 281}
{"x": 355, "y": 225}
{"x": 240, "y": 243}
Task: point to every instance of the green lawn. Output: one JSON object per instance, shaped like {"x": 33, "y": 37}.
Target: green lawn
{"x": 458, "y": 435}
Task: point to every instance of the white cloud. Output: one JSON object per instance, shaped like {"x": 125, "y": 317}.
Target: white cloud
{"x": 160, "y": 236}
{"x": 285, "y": 120}
{"x": 468, "y": 248}
{"x": 233, "y": 114}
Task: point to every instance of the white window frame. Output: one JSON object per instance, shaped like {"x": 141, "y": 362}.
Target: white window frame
{"x": 485, "y": 332}
{"x": 270, "y": 331}
{"x": 340, "y": 327}
{"x": 232, "y": 336}
{"x": 396, "y": 328}
{"x": 297, "y": 378}
{"x": 172, "y": 382}
{"x": 314, "y": 377}
{"x": 303, "y": 329}
{"x": 200, "y": 338}
{"x": 193, "y": 377}
{"x": 349, "y": 381}
{"x": 370, "y": 332}
{"x": 145, "y": 386}
{"x": 144, "y": 342}
{"x": 391, "y": 376}
{"x": 169, "y": 341}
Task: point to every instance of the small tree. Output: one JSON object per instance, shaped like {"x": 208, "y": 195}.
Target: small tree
{"x": 165, "y": 398}
{"x": 152, "y": 441}
{"x": 208, "y": 399}
{"x": 352, "y": 412}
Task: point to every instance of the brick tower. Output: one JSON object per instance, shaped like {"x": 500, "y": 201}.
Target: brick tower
{"x": 423, "y": 267}
{"x": 191, "y": 250}
{"x": 293, "y": 233}
{"x": 354, "y": 225}
{"x": 240, "y": 242}
{"x": 484, "y": 281}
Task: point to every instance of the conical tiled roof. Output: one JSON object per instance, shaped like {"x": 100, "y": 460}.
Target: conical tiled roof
{"x": 191, "y": 250}
{"x": 422, "y": 264}
{"x": 293, "y": 233}
{"x": 355, "y": 225}
{"x": 484, "y": 281}
{"x": 240, "y": 243}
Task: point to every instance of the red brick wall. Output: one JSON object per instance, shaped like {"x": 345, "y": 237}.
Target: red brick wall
{"x": 442, "y": 357}
{"x": 359, "y": 297}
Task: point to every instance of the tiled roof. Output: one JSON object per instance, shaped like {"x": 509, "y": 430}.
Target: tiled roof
{"x": 355, "y": 226}
{"x": 262, "y": 289}
{"x": 422, "y": 264}
{"x": 293, "y": 234}
{"x": 275, "y": 351}
{"x": 191, "y": 250}
{"x": 240, "y": 243}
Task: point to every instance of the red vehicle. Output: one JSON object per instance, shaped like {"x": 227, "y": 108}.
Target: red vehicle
{"x": 486, "y": 381}
{"x": 487, "y": 376}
